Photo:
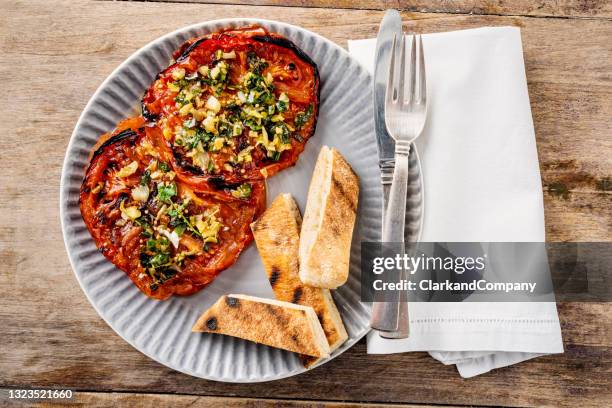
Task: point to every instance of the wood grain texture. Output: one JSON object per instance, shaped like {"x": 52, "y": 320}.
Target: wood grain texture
{"x": 537, "y": 8}
{"x": 141, "y": 400}
{"x": 58, "y": 53}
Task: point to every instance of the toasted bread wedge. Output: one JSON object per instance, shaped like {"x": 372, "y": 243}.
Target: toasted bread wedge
{"x": 276, "y": 234}
{"x": 274, "y": 323}
{"x": 329, "y": 219}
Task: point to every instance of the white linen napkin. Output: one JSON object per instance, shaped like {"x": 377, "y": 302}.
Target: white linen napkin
{"x": 482, "y": 184}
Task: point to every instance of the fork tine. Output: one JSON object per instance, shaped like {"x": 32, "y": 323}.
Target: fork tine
{"x": 422, "y": 80}
{"x": 413, "y": 71}
{"x": 390, "y": 79}
{"x": 401, "y": 86}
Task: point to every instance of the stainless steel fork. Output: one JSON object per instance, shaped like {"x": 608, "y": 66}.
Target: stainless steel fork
{"x": 405, "y": 114}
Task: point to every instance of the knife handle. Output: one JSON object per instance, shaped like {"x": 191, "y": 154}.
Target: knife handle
{"x": 384, "y": 313}
{"x": 392, "y": 317}
{"x": 402, "y": 330}
{"x": 384, "y": 316}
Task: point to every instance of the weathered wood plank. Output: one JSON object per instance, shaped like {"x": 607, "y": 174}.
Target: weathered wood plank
{"x": 76, "y": 362}
{"x": 59, "y": 53}
{"x": 142, "y": 400}
{"x": 540, "y": 8}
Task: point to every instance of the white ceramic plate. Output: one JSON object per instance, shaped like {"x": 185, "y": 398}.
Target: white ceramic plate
{"x": 162, "y": 330}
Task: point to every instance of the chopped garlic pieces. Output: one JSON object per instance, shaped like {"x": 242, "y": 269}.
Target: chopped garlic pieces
{"x": 129, "y": 213}
{"x": 199, "y": 157}
{"x": 204, "y": 70}
{"x": 208, "y": 225}
{"x": 214, "y": 108}
{"x": 244, "y": 156}
{"x": 229, "y": 55}
{"x": 149, "y": 149}
{"x": 172, "y": 236}
{"x": 140, "y": 193}
{"x": 214, "y": 73}
{"x": 185, "y": 110}
{"x": 178, "y": 73}
{"x": 199, "y": 114}
{"x": 213, "y": 104}
{"x": 217, "y": 144}
{"x": 210, "y": 124}
{"x": 128, "y": 170}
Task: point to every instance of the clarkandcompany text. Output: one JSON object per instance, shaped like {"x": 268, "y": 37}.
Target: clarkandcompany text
{"x": 476, "y": 285}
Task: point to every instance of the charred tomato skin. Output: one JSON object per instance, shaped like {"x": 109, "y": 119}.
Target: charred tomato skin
{"x": 306, "y": 91}
{"x": 101, "y": 198}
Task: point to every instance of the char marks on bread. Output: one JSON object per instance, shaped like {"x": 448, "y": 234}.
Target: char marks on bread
{"x": 329, "y": 220}
{"x": 277, "y": 235}
{"x": 274, "y": 323}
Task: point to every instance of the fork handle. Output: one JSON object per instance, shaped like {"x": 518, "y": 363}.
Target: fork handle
{"x": 391, "y": 316}
{"x": 395, "y": 217}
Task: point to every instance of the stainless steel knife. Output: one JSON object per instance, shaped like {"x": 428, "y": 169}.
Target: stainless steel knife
{"x": 390, "y": 318}
{"x": 390, "y": 26}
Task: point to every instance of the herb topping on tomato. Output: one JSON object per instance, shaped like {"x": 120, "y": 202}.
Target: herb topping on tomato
{"x": 168, "y": 238}
{"x": 237, "y": 105}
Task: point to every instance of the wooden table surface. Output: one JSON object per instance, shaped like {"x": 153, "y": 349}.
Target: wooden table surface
{"x": 54, "y": 54}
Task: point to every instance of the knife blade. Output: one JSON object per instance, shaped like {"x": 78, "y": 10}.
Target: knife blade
{"x": 385, "y": 314}
{"x": 390, "y": 26}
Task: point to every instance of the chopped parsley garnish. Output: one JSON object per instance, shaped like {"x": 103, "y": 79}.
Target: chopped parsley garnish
{"x": 163, "y": 166}
{"x": 166, "y": 192}
{"x": 281, "y": 130}
{"x": 209, "y": 125}
{"x": 190, "y": 123}
{"x": 160, "y": 277}
{"x": 303, "y": 117}
{"x": 243, "y": 191}
{"x": 179, "y": 221}
{"x": 181, "y": 99}
{"x": 282, "y": 106}
{"x": 256, "y": 64}
{"x": 200, "y": 135}
{"x": 180, "y": 229}
{"x": 163, "y": 254}
{"x": 156, "y": 258}
{"x": 145, "y": 179}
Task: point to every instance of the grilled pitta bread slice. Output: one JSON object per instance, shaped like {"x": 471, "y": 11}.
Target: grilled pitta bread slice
{"x": 271, "y": 322}
{"x": 277, "y": 235}
{"x": 327, "y": 230}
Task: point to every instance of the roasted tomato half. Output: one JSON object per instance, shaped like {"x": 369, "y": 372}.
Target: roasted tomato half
{"x": 237, "y": 105}
{"x": 168, "y": 237}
